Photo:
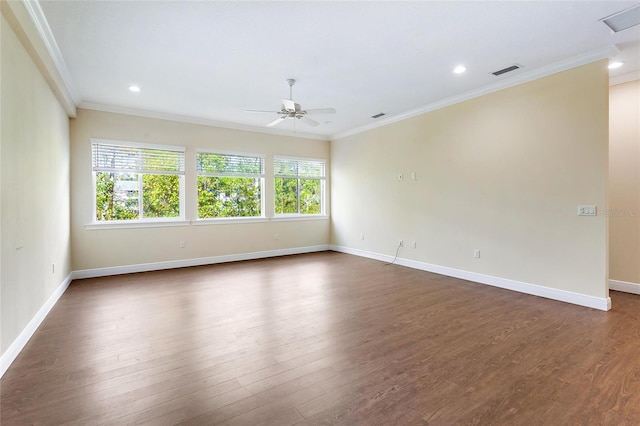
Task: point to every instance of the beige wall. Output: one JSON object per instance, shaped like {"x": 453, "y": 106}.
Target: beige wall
{"x": 103, "y": 248}
{"x": 34, "y": 189}
{"x": 502, "y": 173}
{"x": 624, "y": 182}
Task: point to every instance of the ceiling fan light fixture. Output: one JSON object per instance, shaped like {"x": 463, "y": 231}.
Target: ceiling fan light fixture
{"x": 293, "y": 111}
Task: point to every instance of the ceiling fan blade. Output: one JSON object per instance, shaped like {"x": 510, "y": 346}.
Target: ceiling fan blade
{"x": 321, "y": 111}
{"x": 276, "y": 121}
{"x": 259, "y": 110}
{"x": 289, "y": 105}
{"x": 309, "y": 121}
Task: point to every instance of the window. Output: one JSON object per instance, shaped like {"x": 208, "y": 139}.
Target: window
{"x": 137, "y": 181}
{"x": 299, "y": 186}
{"x": 229, "y": 185}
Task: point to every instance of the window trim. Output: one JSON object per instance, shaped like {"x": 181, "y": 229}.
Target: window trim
{"x": 141, "y": 221}
{"x": 131, "y": 224}
{"x": 229, "y": 219}
{"x": 323, "y": 195}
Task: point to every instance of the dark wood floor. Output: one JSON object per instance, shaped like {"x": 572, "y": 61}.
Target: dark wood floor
{"x": 323, "y": 338}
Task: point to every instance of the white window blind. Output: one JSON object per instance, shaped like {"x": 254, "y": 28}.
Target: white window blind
{"x": 131, "y": 158}
{"x": 294, "y": 168}
{"x": 215, "y": 164}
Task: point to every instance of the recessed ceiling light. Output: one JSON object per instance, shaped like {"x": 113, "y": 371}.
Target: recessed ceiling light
{"x": 134, "y": 89}
{"x": 614, "y": 65}
{"x": 459, "y": 69}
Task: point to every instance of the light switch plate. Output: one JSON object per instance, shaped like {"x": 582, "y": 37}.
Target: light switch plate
{"x": 587, "y": 211}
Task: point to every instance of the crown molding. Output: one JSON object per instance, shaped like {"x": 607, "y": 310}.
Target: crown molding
{"x": 27, "y": 21}
{"x": 624, "y": 78}
{"x": 196, "y": 120}
{"x": 524, "y": 77}
{"x": 41, "y": 24}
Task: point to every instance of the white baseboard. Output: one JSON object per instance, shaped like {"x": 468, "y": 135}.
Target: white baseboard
{"x": 171, "y": 264}
{"x": 624, "y": 286}
{"x": 16, "y": 347}
{"x": 601, "y": 303}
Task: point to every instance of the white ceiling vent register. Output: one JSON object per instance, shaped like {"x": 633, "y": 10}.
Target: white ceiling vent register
{"x": 506, "y": 70}
{"x": 623, "y": 20}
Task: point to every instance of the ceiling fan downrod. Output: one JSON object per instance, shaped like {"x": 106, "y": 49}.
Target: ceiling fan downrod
{"x": 291, "y": 82}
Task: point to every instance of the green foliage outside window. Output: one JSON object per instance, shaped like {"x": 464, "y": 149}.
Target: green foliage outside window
{"x": 310, "y": 196}
{"x": 112, "y": 205}
{"x": 286, "y": 195}
{"x": 298, "y": 186}
{"x": 118, "y": 196}
{"x": 287, "y": 202}
{"x": 228, "y": 197}
{"x": 229, "y": 185}
{"x": 160, "y": 196}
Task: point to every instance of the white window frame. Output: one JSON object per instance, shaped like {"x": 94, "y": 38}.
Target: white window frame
{"x": 323, "y": 192}
{"x": 180, "y": 219}
{"x": 261, "y": 176}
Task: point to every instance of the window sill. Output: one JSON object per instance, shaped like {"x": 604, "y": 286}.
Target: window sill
{"x": 201, "y": 222}
{"x": 294, "y": 217}
{"x": 236, "y": 220}
{"x": 136, "y": 224}
{"x": 229, "y": 220}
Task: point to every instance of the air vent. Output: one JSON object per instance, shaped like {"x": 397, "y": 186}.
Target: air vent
{"x": 506, "y": 70}
{"x": 623, "y": 20}
{"x": 378, "y": 115}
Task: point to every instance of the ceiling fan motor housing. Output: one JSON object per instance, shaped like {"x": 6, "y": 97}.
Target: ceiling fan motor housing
{"x": 292, "y": 110}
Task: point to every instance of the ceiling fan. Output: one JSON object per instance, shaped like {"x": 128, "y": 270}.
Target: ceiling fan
{"x": 291, "y": 110}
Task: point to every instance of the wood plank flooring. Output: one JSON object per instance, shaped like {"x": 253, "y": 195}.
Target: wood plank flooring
{"x": 323, "y": 338}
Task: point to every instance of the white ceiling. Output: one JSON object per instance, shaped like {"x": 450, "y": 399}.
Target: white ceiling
{"x": 210, "y": 61}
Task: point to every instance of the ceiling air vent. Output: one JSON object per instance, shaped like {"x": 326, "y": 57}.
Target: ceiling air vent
{"x": 506, "y": 70}
{"x": 378, "y": 115}
{"x": 623, "y": 20}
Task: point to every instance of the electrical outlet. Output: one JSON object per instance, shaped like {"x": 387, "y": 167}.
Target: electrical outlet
{"x": 413, "y": 176}
{"x": 400, "y": 176}
{"x": 476, "y": 253}
{"x": 362, "y": 236}
{"x": 413, "y": 244}
{"x": 181, "y": 244}
{"x": 401, "y": 243}
{"x": 276, "y": 237}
